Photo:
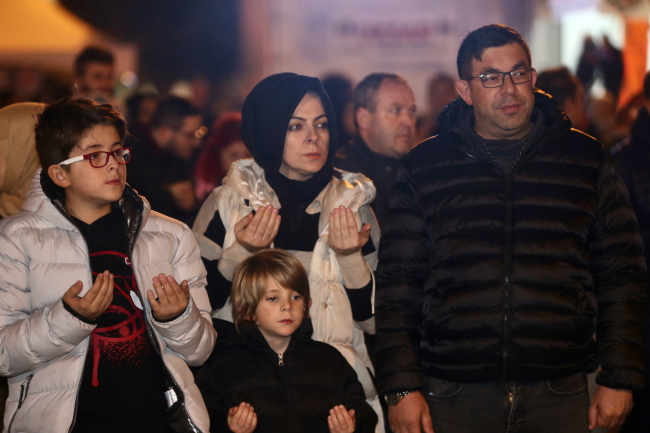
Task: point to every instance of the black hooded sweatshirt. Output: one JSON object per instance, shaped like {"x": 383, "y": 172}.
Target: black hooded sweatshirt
{"x": 266, "y": 114}
{"x": 294, "y": 395}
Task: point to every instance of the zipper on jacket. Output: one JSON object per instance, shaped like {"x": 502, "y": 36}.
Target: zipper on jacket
{"x": 24, "y": 389}
{"x": 285, "y": 384}
{"x": 507, "y": 281}
{"x": 506, "y": 278}
{"x": 150, "y": 335}
{"x": 156, "y": 345}
{"x": 507, "y": 267}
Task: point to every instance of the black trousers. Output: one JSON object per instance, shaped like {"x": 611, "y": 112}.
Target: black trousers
{"x": 558, "y": 406}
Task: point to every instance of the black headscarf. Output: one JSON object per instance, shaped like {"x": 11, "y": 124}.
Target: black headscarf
{"x": 265, "y": 119}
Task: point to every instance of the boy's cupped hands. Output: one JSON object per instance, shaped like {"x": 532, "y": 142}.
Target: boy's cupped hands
{"x": 341, "y": 420}
{"x": 95, "y": 301}
{"x": 242, "y": 418}
{"x": 172, "y": 298}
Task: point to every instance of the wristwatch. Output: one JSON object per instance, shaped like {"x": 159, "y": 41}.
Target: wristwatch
{"x": 393, "y": 399}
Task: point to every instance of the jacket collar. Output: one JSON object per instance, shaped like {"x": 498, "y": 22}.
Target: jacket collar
{"x": 456, "y": 116}
{"x": 47, "y": 200}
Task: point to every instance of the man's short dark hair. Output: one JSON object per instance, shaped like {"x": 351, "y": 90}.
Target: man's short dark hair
{"x": 646, "y": 85}
{"x": 171, "y": 112}
{"x": 560, "y": 83}
{"x": 92, "y": 55}
{"x": 64, "y": 123}
{"x": 477, "y": 41}
{"x": 365, "y": 92}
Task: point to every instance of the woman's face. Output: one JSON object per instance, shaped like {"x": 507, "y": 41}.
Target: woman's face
{"x": 231, "y": 153}
{"x": 307, "y": 141}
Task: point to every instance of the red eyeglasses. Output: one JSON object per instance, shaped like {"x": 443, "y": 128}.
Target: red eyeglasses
{"x": 100, "y": 159}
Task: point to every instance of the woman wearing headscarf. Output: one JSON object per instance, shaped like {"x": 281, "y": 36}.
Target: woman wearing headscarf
{"x": 290, "y": 196}
{"x": 18, "y": 159}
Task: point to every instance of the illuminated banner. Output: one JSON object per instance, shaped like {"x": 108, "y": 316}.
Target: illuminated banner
{"x": 415, "y": 38}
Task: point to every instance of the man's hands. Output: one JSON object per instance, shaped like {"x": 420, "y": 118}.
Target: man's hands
{"x": 172, "y": 298}
{"x": 409, "y": 414}
{"x": 344, "y": 239}
{"x": 341, "y": 420}
{"x": 609, "y": 407}
{"x": 242, "y": 418}
{"x": 96, "y": 301}
{"x": 256, "y": 232}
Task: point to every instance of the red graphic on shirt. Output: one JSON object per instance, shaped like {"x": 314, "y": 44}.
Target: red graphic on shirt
{"x": 119, "y": 336}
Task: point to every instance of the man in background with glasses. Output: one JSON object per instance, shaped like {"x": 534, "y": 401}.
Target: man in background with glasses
{"x": 509, "y": 243}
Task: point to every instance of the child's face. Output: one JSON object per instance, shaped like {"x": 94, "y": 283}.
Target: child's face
{"x": 280, "y": 312}
{"x": 92, "y": 187}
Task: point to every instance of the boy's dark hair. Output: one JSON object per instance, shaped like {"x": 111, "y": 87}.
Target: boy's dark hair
{"x": 646, "y": 85}
{"x": 62, "y": 125}
{"x": 171, "y": 111}
{"x": 477, "y": 41}
{"x": 251, "y": 278}
{"x": 559, "y": 83}
{"x": 92, "y": 55}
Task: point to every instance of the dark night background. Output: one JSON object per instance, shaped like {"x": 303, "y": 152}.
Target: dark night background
{"x": 176, "y": 39}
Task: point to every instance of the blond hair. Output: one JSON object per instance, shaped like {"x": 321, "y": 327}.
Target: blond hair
{"x": 251, "y": 278}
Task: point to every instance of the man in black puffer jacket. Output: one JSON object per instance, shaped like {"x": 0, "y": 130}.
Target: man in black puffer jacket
{"x": 510, "y": 242}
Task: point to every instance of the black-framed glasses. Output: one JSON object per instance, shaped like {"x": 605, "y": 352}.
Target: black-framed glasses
{"x": 496, "y": 79}
{"x": 100, "y": 159}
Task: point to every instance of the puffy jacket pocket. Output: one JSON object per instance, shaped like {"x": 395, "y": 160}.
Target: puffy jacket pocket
{"x": 24, "y": 389}
{"x": 437, "y": 389}
{"x": 568, "y": 386}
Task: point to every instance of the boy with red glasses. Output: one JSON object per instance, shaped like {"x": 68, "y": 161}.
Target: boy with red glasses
{"x": 102, "y": 301}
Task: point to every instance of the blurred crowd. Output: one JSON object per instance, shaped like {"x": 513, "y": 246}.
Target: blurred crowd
{"x": 184, "y": 140}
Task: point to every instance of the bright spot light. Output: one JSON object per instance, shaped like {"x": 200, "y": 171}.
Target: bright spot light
{"x": 129, "y": 79}
{"x": 200, "y": 133}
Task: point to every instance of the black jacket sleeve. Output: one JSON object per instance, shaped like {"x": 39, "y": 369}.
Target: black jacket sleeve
{"x": 403, "y": 257}
{"x": 354, "y": 398}
{"x": 619, "y": 272}
{"x": 215, "y": 401}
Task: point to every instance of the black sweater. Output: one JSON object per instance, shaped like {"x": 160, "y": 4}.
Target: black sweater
{"x": 294, "y": 397}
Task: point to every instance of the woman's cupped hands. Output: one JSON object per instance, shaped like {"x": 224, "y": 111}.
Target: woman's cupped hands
{"x": 256, "y": 231}
{"x": 344, "y": 239}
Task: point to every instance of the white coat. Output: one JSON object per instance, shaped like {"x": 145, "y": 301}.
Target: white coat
{"x": 245, "y": 189}
{"x": 43, "y": 346}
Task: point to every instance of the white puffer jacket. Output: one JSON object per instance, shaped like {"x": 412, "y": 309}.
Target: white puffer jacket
{"x": 245, "y": 189}
{"x": 43, "y": 346}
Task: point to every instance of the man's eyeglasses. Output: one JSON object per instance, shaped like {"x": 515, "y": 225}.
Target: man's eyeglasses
{"x": 100, "y": 159}
{"x": 496, "y": 79}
